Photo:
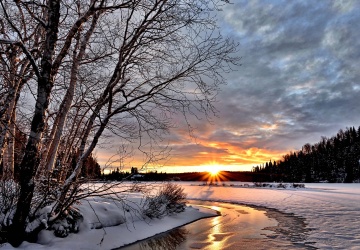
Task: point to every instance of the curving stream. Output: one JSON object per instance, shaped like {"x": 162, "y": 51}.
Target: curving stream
{"x": 238, "y": 227}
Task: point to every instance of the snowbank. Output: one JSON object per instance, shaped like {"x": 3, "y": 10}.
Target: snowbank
{"x": 114, "y": 224}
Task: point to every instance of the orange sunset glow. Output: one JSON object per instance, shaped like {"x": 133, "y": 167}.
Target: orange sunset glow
{"x": 211, "y": 150}
{"x": 208, "y": 157}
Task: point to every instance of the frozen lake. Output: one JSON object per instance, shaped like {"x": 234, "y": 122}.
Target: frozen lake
{"x": 322, "y": 215}
{"x": 238, "y": 227}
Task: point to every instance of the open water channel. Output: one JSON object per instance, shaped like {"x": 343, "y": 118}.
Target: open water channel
{"x": 236, "y": 227}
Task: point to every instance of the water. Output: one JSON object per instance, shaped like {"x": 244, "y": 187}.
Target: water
{"x": 238, "y": 227}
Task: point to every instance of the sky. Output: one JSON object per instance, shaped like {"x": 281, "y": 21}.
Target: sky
{"x": 299, "y": 80}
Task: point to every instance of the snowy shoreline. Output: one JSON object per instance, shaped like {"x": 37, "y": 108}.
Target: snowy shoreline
{"x": 209, "y": 213}
{"x": 331, "y": 212}
{"x": 111, "y": 237}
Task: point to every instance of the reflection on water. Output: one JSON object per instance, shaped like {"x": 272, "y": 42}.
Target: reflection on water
{"x": 238, "y": 227}
{"x": 165, "y": 241}
{"x": 168, "y": 241}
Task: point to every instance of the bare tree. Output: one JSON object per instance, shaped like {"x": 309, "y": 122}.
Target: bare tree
{"x": 15, "y": 71}
{"x": 121, "y": 66}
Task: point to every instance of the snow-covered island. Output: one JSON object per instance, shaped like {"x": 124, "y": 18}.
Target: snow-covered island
{"x": 331, "y": 212}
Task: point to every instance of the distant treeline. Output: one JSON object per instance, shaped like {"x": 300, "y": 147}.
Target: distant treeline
{"x": 335, "y": 159}
{"x": 117, "y": 175}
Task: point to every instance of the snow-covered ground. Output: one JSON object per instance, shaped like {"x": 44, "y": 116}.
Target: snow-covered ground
{"x": 111, "y": 221}
{"x": 332, "y": 212}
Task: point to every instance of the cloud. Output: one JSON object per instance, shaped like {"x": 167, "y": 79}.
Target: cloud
{"x": 299, "y": 80}
{"x": 298, "y": 72}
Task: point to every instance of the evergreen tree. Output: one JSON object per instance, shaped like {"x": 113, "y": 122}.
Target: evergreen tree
{"x": 335, "y": 159}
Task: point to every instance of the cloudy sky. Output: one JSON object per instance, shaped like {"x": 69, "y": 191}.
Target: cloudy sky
{"x": 299, "y": 80}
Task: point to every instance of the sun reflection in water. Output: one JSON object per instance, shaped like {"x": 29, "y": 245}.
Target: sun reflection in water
{"x": 239, "y": 227}
{"x": 217, "y": 239}
{"x": 216, "y": 230}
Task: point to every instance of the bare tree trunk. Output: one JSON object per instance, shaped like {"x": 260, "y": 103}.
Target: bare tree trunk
{"x": 5, "y": 122}
{"x": 11, "y": 146}
{"x": 30, "y": 161}
{"x": 5, "y": 118}
{"x": 8, "y": 162}
{"x": 66, "y": 103}
{"x": 3, "y": 133}
{"x": 83, "y": 156}
{"x": 46, "y": 150}
{"x": 15, "y": 79}
{"x": 75, "y": 131}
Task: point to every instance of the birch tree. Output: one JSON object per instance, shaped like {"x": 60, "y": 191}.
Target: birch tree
{"x": 15, "y": 69}
{"x": 121, "y": 66}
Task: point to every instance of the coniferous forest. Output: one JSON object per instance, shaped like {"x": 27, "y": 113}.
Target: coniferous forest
{"x": 335, "y": 159}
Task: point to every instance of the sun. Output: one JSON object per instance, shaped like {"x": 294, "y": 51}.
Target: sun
{"x": 214, "y": 172}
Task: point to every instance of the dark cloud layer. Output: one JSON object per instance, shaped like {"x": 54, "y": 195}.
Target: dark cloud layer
{"x": 299, "y": 69}
{"x": 299, "y": 80}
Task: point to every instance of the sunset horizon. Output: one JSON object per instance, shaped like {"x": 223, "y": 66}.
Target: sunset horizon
{"x": 297, "y": 82}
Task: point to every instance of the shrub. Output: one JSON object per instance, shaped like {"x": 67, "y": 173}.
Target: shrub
{"x": 69, "y": 223}
{"x": 298, "y": 185}
{"x": 258, "y": 184}
{"x": 169, "y": 199}
{"x": 9, "y": 192}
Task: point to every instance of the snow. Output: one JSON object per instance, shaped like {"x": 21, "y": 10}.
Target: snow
{"x": 331, "y": 211}
{"x": 115, "y": 223}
